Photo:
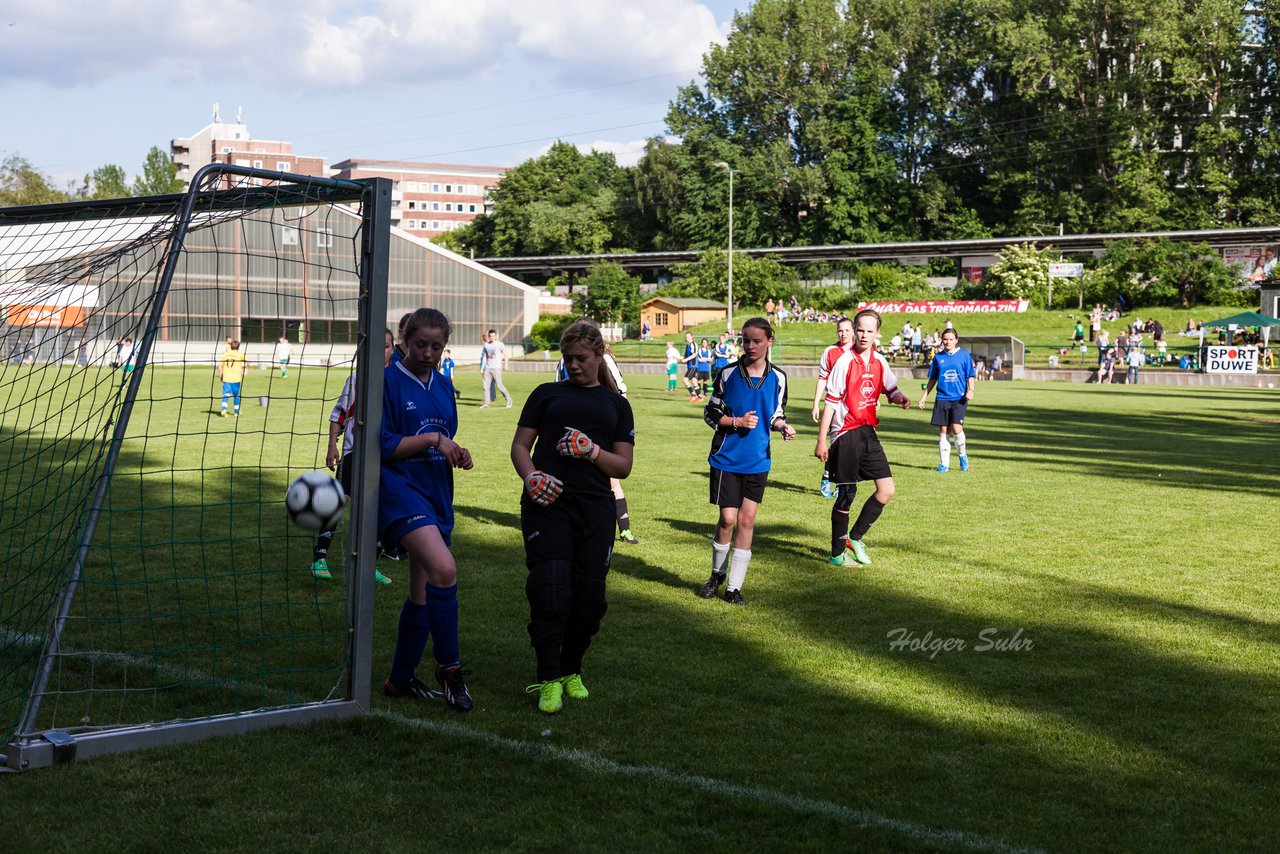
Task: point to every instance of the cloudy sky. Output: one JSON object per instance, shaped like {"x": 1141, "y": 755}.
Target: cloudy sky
{"x": 89, "y": 82}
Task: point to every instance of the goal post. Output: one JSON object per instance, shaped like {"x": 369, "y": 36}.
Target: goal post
{"x": 151, "y": 589}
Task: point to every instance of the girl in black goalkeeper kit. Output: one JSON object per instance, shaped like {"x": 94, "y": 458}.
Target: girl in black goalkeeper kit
{"x": 572, "y": 437}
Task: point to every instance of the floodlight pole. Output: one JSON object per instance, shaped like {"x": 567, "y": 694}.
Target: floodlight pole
{"x": 725, "y": 166}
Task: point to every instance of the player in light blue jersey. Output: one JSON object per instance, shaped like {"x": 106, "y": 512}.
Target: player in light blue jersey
{"x": 748, "y": 401}
{"x": 415, "y": 506}
{"x": 952, "y": 372}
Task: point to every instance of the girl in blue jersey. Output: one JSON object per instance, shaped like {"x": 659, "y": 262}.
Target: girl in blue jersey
{"x": 748, "y": 401}
{"x": 702, "y": 361}
{"x": 415, "y": 506}
{"x": 723, "y": 353}
{"x": 572, "y": 438}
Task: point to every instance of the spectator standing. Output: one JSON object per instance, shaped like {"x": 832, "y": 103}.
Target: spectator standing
{"x": 495, "y": 359}
{"x": 1134, "y": 360}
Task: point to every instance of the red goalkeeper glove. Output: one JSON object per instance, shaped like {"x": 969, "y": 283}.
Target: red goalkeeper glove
{"x": 577, "y": 444}
{"x": 542, "y": 487}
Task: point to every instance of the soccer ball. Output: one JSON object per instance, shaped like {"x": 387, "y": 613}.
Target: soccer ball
{"x": 315, "y": 501}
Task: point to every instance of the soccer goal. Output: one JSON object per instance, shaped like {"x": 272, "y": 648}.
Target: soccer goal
{"x": 152, "y": 589}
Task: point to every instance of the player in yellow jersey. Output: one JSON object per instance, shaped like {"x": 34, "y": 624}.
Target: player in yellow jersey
{"x": 231, "y": 367}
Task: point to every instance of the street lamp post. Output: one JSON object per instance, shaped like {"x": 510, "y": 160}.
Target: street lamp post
{"x": 725, "y": 166}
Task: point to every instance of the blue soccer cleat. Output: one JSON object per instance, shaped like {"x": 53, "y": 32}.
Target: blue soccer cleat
{"x": 964, "y": 464}
{"x": 941, "y": 468}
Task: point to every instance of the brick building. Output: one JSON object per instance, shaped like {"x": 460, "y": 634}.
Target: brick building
{"x": 429, "y": 198}
{"x": 230, "y": 142}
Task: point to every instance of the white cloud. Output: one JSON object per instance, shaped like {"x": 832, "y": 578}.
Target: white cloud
{"x": 343, "y": 44}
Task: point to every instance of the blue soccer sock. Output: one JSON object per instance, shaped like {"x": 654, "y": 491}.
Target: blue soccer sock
{"x": 442, "y": 605}
{"x": 411, "y": 640}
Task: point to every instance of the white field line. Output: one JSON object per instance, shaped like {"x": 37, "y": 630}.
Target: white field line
{"x": 595, "y": 763}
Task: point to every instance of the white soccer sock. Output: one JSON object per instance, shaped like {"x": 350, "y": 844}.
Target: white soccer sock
{"x": 719, "y": 554}
{"x": 944, "y": 449}
{"x": 738, "y": 569}
{"x": 960, "y": 444}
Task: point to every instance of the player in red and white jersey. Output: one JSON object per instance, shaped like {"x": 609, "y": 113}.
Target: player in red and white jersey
{"x": 856, "y": 381}
{"x": 844, "y": 340}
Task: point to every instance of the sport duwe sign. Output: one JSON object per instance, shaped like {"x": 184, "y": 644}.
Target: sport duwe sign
{"x": 1231, "y": 360}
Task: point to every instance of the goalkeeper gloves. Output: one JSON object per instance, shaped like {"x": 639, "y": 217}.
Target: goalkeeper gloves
{"x": 542, "y": 487}
{"x": 578, "y": 445}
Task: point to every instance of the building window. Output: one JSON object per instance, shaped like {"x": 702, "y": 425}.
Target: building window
{"x": 471, "y": 208}
{"x": 448, "y": 188}
{"x": 324, "y": 237}
{"x": 289, "y": 235}
{"x": 660, "y": 319}
{"x": 227, "y": 149}
{"x": 448, "y": 206}
{"x": 283, "y": 165}
{"x": 412, "y": 205}
{"x": 240, "y": 161}
{"x": 435, "y": 206}
{"x": 435, "y": 188}
{"x": 257, "y": 164}
{"x": 435, "y": 225}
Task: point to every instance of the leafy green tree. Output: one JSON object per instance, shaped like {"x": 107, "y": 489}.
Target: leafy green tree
{"x": 754, "y": 279}
{"x": 611, "y": 295}
{"x": 1022, "y": 272}
{"x": 21, "y": 183}
{"x": 105, "y": 182}
{"x": 159, "y": 175}
{"x": 564, "y": 202}
{"x": 1166, "y": 272}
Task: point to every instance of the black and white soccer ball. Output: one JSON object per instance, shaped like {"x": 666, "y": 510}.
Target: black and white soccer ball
{"x": 315, "y": 501}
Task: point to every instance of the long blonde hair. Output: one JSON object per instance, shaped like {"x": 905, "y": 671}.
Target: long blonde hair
{"x": 586, "y": 333}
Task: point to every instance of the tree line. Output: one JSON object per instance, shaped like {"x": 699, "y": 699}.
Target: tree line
{"x": 879, "y": 120}
{"x": 21, "y": 183}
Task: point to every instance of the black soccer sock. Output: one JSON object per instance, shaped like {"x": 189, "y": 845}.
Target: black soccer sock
{"x": 322, "y": 545}
{"x": 840, "y": 516}
{"x": 624, "y": 520}
{"x": 870, "y": 513}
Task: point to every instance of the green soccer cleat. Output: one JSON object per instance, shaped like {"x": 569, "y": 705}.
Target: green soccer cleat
{"x": 320, "y": 570}
{"x": 574, "y": 688}
{"x": 859, "y": 552}
{"x": 845, "y": 558}
{"x": 380, "y": 578}
{"x": 628, "y": 537}
{"x": 550, "y": 695}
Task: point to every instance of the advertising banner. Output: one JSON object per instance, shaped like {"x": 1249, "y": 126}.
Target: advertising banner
{"x": 46, "y": 315}
{"x": 966, "y": 306}
{"x": 46, "y": 304}
{"x": 1231, "y": 360}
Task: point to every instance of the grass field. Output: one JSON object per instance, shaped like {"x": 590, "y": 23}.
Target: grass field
{"x": 1044, "y": 333}
{"x": 1126, "y": 533}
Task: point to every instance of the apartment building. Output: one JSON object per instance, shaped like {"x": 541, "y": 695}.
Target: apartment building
{"x": 429, "y": 198}
{"x": 230, "y": 142}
